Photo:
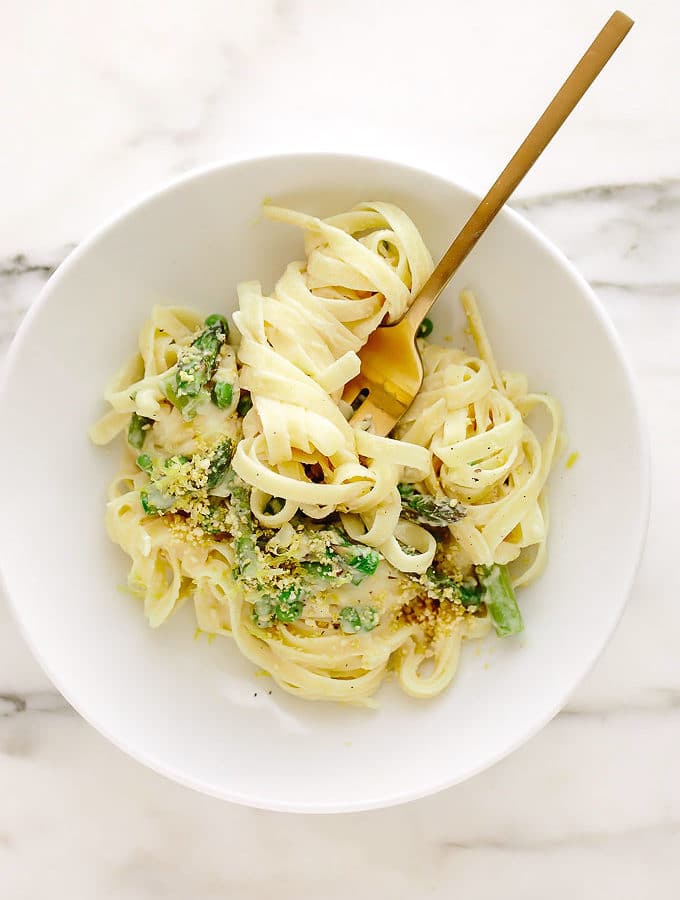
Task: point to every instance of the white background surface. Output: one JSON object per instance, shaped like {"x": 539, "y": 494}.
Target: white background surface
{"x": 103, "y": 101}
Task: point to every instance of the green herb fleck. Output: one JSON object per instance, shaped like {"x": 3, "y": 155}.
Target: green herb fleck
{"x": 425, "y": 328}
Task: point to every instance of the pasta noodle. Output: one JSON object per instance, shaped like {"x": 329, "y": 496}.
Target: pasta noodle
{"x": 330, "y": 555}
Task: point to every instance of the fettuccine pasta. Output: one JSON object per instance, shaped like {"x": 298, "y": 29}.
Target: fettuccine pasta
{"x": 331, "y": 555}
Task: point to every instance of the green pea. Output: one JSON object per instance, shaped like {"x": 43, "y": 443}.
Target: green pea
{"x": 425, "y": 328}
{"x": 222, "y": 394}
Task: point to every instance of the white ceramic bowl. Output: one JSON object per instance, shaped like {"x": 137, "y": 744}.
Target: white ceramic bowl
{"x": 197, "y": 712}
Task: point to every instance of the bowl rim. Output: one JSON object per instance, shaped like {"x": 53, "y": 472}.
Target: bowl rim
{"x": 169, "y": 185}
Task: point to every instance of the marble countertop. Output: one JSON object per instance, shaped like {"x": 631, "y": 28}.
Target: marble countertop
{"x": 103, "y": 101}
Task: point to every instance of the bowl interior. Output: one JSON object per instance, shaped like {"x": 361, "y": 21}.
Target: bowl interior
{"x": 197, "y": 711}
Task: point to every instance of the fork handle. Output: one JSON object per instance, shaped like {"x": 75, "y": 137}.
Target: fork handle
{"x": 562, "y": 104}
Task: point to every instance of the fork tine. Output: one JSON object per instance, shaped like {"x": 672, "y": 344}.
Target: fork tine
{"x": 375, "y": 419}
{"x": 383, "y": 409}
{"x": 362, "y": 415}
{"x": 391, "y": 373}
{"x": 354, "y": 387}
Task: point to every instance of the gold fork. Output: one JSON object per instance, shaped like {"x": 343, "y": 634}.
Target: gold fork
{"x": 391, "y": 370}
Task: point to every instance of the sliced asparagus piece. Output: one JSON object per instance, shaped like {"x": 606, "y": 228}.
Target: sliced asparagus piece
{"x": 137, "y": 430}
{"x": 429, "y": 510}
{"x": 289, "y": 605}
{"x": 500, "y": 600}
{"x": 145, "y": 463}
{"x": 248, "y": 558}
{"x": 196, "y": 365}
{"x": 188, "y": 406}
{"x": 219, "y": 463}
{"x": 358, "y": 559}
{"x": 358, "y": 618}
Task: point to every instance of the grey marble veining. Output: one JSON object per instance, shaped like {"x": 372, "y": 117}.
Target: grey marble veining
{"x": 20, "y": 283}
{"x": 624, "y": 240}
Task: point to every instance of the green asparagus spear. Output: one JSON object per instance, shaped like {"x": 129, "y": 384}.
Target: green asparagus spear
{"x": 247, "y": 557}
{"x": 219, "y": 463}
{"x": 248, "y": 561}
{"x": 429, "y": 510}
{"x": 217, "y": 321}
{"x": 196, "y": 365}
{"x": 500, "y": 600}
{"x": 139, "y": 425}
